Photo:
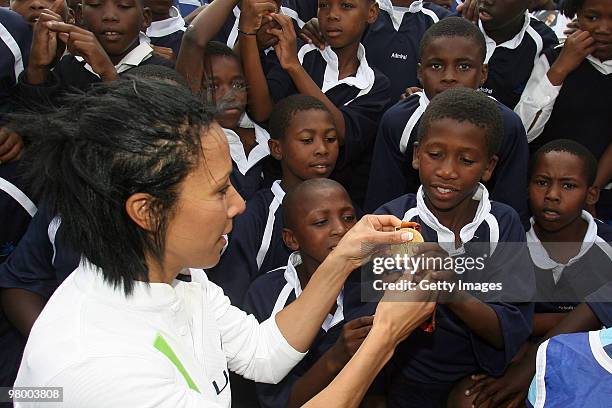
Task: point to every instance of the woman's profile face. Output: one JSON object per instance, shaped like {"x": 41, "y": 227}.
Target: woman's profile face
{"x": 206, "y": 205}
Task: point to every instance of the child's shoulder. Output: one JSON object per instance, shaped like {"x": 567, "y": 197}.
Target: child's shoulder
{"x": 439, "y": 11}
{"x": 508, "y": 221}
{"x": 604, "y": 231}
{"x": 398, "y": 206}
{"x": 271, "y": 281}
{"x": 403, "y": 110}
{"x": 539, "y": 31}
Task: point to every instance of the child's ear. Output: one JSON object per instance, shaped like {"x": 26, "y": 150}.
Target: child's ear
{"x": 592, "y": 195}
{"x": 137, "y": 207}
{"x": 373, "y": 13}
{"x": 485, "y": 74}
{"x": 486, "y": 176}
{"x": 289, "y": 240}
{"x": 415, "y": 156}
{"x": 147, "y": 18}
{"x": 420, "y": 73}
{"x": 275, "y": 149}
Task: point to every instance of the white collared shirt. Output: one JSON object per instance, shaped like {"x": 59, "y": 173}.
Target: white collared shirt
{"x": 132, "y": 59}
{"x": 446, "y": 237}
{"x": 294, "y": 285}
{"x": 538, "y": 98}
{"x": 168, "y": 26}
{"x": 258, "y": 152}
{"x": 511, "y": 44}
{"x": 363, "y": 79}
{"x": 540, "y": 256}
{"x": 163, "y": 346}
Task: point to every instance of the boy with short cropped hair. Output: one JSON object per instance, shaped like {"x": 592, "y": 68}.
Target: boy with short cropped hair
{"x": 106, "y": 44}
{"x": 458, "y": 136}
{"x": 303, "y": 139}
{"x": 317, "y": 213}
{"x": 572, "y": 257}
{"x": 339, "y": 76}
{"x": 452, "y": 55}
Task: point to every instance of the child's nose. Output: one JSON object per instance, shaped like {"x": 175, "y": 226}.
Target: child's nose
{"x": 446, "y": 169}
{"x": 552, "y": 193}
{"x": 37, "y": 5}
{"x": 448, "y": 75}
{"x": 321, "y": 148}
{"x": 109, "y": 13}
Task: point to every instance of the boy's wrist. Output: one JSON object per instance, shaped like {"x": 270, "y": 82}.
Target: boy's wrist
{"x": 36, "y": 75}
{"x": 557, "y": 74}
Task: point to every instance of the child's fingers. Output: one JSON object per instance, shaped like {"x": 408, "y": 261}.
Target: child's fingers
{"x": 363, "y": 321}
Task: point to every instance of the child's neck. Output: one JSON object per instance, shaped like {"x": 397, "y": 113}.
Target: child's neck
{"x": 456, "y": 218}
{"x": 115, "y": 59}
{"x": 572, "y": 232}
{"x": 305, "y": 270}
{"x": 507, "y": 32}
{"x": 160, "y": 17}
{"x": 348, "y": 62}
{"x": 247, "y": 138}
{"x": 288, "y": 179}
{"x": 571, "y": 235}
{"x": 402, "y": 3}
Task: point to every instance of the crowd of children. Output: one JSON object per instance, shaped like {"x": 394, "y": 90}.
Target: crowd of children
{"x": 477, "y": 123}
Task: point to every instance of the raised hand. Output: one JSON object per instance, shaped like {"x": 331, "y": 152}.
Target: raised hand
{"x": 85, "y": 44}
{"x": 252, "y": 12}
{"x": 286, "y": 48}
{"x": 44, "y": 45}
{"x": 312, "y": 34}
{"x": 576, "y": 48}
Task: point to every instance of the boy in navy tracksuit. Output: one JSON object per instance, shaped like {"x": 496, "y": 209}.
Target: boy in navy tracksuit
{"x": 458, "y": 135}
{"x": 515, "y": 40}
{"x": 167, "y": 25}
{"x": 339, "y": 76}
{"x": 452, "y": 55}
{"x": 570, "y": 250}
{"x": 392, "y": 42}
{"x": 107, "y": 43}
{"x": 303, "y": 139}
{"x": 317, "y": 214}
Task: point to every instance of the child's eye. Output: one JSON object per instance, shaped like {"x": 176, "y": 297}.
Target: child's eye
{"x": 125, "y": 6}
{"x": 467, "y": 161}
{"x": 541, "y": 183}
{"x": 591, "y": 17}
{"x": 434, "y": 155}
{"x": 436, "y": 66}
{"x": 568, "y": 186}
{"x": 322, "y": 5}
{"x": 349, "y": 218}
{"x": 464, "y": 67}
{"x": 330, "y": 139}
{"x": 307, "y": 141}
{"x": 239, "y": 85}
{"x": 320, "y": 223}
{"x": 346, "y": 5}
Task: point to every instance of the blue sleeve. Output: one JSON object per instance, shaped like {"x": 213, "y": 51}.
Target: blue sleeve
{"x": 388, "y": 175}
{"x": 30, "y": 266}
{"x": 13, "y": 60}
{"x": 14, "y": 218}
{"x": 510, "y": 175}
{"x": 600, "y": 303}
{"x": 361, "y": 118}
{"x": 280, "y": 83}
{"x": 510, "y": 265}
{"x": 238, "y": 265}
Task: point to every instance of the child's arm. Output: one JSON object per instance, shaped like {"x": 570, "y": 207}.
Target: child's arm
{"x": 542, "y": 89}
{"x": 260, "y": 101}
{"x": 544, "y": 322}
{"x": 329, "y": 365}
{"x": 43, "y": 49}
{"x": 287, "y": 55}
{"x": 604, "y": 168}
{"x": 206, "y": 24}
